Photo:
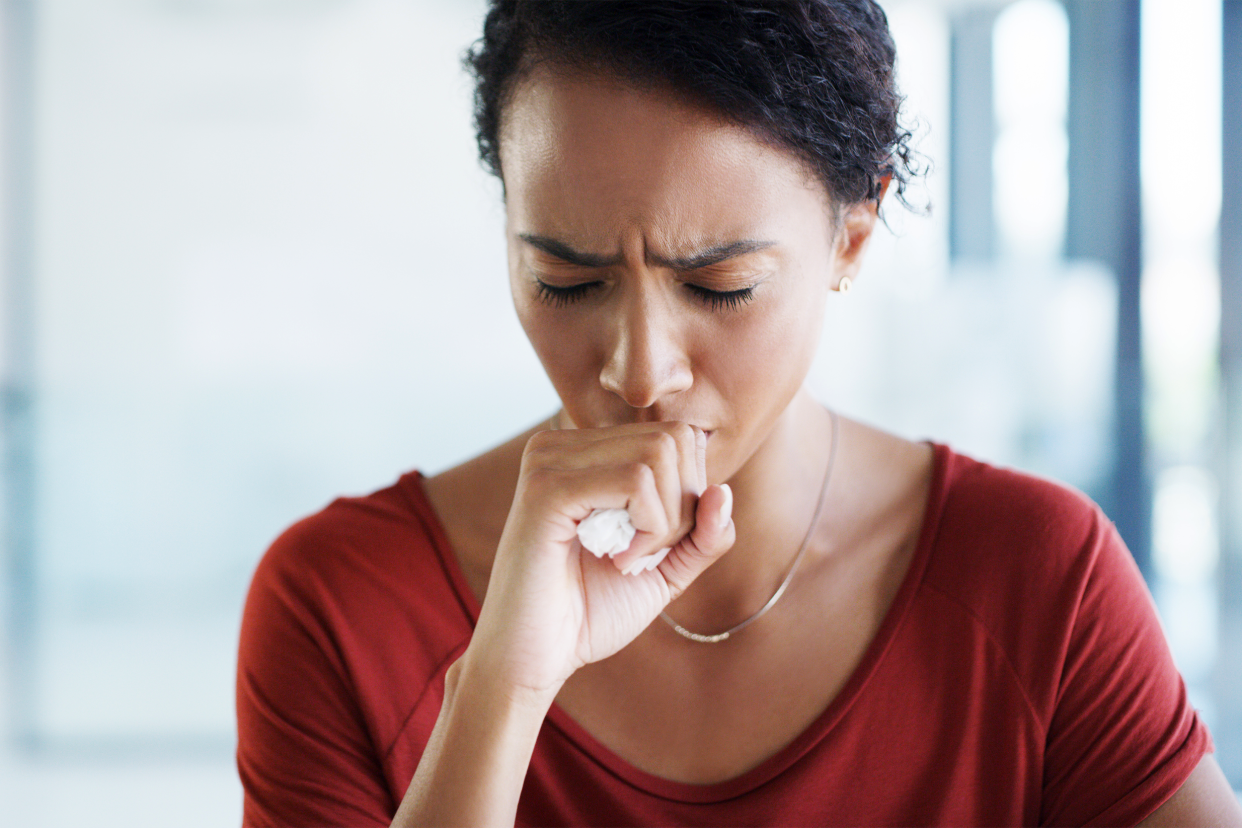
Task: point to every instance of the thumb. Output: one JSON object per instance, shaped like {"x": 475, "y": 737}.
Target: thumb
{"x": 712, "y": 536}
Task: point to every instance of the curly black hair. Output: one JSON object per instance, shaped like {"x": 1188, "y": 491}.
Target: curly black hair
{"x": 814, "y": 76}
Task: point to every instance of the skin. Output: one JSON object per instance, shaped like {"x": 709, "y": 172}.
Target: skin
{"x": 630, "y": 213}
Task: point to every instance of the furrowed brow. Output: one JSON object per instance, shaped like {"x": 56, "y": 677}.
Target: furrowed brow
{"x": 712, "y": 256}
{"x": 566, "y": 253}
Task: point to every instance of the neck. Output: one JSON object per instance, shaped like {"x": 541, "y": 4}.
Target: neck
{"x": 775, "y": 495}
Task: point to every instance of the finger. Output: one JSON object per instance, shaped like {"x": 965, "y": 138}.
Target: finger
{"x": 692, "y": 456}
{"x": 688, "y": 439}
{"x": 659, "y": 451}
{"x": 587, "y": 435}
{"x": 672, "y": 452}
{"x": 574, "y": 493}
{"x": 573, "y": 449}
{"x": 700, "y": 456}
{"x": 713, "y": 535}
{"x": 668, "y": 449}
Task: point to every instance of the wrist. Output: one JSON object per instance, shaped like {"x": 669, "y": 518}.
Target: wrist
{"x": 476, "y": 676}
{"x": 473, "y": 766}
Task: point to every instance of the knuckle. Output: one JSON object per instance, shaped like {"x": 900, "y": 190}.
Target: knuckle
{"x": 684, "y": 433}
{"x": 538, "y": 479}
{"x": 535, "y": 458}
{"x": 539, "y": 440}
{"x": 656, "y": 454}
{"x": 664, "y": 444}
{"x": 638, "y": 475}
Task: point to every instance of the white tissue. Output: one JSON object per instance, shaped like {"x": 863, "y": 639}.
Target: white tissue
{"x": 606, "y": 532}
{"x": 650, "y": 562}
{"x": 609, "y": 532}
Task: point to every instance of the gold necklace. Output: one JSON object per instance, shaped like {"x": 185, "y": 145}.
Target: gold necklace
{"x": 780, "y": 590}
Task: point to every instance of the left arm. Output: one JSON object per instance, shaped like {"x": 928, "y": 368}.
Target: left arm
{"x": 1205, "y": 798}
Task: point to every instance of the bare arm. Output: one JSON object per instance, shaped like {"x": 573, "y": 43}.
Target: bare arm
{"x": 550, "y": 608}
{"x": 476, "y": 759}
{"x": 1205, "y": 798}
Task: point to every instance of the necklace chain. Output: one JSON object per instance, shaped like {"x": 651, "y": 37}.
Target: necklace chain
{"x": 780, "y": 590}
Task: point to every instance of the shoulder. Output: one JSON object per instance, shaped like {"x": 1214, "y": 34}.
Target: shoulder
{"x": 1026, "y": 582}
{"x": 996, "y": 527}
{"x": 988, "y": 503}
{"x": 362, "y": 579}
{"x": 1033, "y": 562}
{"x": 1047, "y": 577}
{"x": 371, "y": 543}
{"x": 351, "y": 615}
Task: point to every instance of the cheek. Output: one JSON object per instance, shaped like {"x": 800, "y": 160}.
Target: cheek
{"x": 563, "y": 343}
{"x": 764, "y": 359}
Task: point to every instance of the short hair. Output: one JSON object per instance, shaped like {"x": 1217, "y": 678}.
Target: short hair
{"x": 813, "y": 76}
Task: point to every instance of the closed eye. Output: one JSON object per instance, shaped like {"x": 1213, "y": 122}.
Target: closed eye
{"x": 559, "y": 297}
{"x": 718, "y": 299}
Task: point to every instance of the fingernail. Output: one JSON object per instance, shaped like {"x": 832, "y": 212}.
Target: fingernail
{"x": 726, "y": 511}
{"x": 657, "y": 558}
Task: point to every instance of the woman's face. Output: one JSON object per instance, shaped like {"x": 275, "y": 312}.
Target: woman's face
{"x": 666, "y": 264}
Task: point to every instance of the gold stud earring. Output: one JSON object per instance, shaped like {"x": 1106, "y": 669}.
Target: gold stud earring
{"x": 845, "y": 284}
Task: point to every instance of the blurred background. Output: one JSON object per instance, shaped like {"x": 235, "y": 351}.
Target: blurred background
{"x": 248, "y": 262}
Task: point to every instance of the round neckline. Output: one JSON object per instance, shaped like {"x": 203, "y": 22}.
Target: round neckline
{"x": 595, "y": 751}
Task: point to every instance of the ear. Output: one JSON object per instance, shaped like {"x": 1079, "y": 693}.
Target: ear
{"x": 854, "y": 231}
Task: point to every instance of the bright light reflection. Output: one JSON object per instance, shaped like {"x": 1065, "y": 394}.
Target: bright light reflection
{"x": 1181, "y": 326}
{"x": 1185, "y": 550}
{"x": 1030, "y": 50}
{"x": 1185, "y": 544}
{"x": 1030, "y": 42}
{"x": 1181, "y": 94}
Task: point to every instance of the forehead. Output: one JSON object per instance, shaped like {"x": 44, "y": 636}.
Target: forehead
{"x": 586, "y": 152}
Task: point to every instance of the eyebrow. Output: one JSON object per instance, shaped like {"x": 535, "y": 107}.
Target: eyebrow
{"x": 566, "y": 253}
{"x": 705, "y": 258}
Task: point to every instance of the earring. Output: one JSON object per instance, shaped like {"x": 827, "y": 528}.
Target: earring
{"x": 844, "y": 285}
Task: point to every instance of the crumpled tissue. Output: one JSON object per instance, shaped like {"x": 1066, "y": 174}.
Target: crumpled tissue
{"x": 609, "y": 532}
{"x": 606, "y": 532}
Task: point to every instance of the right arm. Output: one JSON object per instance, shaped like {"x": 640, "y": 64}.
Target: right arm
{"x": 551, "y": 609}
{"x": 475, "y": 762}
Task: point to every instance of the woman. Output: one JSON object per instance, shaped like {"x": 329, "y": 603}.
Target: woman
{"x": 815, "y": 622}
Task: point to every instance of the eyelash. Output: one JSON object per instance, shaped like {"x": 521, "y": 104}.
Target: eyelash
{"x": 717, "y": 299}
{"x": 559, "y": 297}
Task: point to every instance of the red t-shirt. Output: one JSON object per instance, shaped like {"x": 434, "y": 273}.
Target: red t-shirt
{"x": 1020, "y": 677}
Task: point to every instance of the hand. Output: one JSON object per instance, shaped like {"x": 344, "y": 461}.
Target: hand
{"x": 550, "y": 607}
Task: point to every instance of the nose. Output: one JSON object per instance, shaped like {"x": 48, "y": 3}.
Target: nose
{"x": 646, "y": 359}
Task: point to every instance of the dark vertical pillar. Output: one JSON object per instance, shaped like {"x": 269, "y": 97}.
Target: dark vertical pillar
{"x": 972, "y": 132}
{"x": 1228, "y": 678}
{"x": 17, "y": 377}
{"x": 1104, "y": 223}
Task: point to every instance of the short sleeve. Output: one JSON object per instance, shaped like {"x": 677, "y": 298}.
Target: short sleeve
{"x": 1123, "y": 736}
{"x": 304, "y": 753}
